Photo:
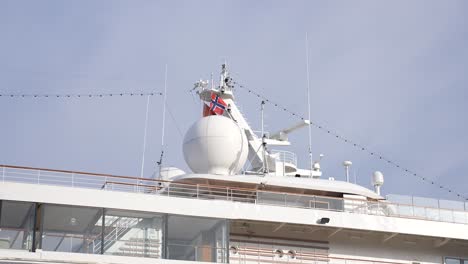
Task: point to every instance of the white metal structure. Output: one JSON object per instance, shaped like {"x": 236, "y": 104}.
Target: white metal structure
{"x": 221, "y": 213}
{"x": 377, "y": 181}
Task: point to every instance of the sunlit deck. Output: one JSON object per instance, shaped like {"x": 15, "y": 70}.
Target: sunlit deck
{"x": 407, "y": 207}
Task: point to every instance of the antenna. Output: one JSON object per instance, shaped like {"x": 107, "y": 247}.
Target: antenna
{"x": 212, "y": 82}
{"x": 263, "y": 146}
{"x": 265, "y": 163}
{"x": 262, "y": 108}
{"x": 144, "y": 137}
{"x": 163, "y": 122}
{"x": 308, "y": 104}
{"x": 347, "y": 164}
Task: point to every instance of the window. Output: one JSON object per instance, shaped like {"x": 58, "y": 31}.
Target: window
{"x": 449, "y": 260}
{"x": 71, "y": 229}
{"x": 16, "y": 225}
{"x": 78, "y": 229}
{"x": 133, "y": 234}
{"x": 197, "y": 239}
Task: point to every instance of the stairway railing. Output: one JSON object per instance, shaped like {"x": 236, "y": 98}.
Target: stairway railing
{"x": 122, "y": 225}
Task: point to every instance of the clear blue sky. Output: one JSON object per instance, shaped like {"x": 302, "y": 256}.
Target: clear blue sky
{"x": 391, "y": 75}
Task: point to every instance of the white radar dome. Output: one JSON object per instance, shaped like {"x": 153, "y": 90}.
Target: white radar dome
{"x": 377, "y": 178}
{"x": 215, "y": 145}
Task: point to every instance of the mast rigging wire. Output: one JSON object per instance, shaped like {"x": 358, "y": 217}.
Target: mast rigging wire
{"x": 356, "y": 145}
{"x": 80, "y": 95}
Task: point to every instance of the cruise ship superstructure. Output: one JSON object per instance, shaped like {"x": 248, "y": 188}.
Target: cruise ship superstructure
{"x": 243, "y": 203}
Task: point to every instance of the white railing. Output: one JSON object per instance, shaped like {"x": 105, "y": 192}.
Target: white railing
{"x": 241, "y": 253}
{"x": 285, "y": 156}
{"x": 121, "y": 225}
{"x": 210, "y": 192}
{"x": 258, "y": 133}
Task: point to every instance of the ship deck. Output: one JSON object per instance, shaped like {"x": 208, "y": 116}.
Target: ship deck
{"x": 455, "y": 212}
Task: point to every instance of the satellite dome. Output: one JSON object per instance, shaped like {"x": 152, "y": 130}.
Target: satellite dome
{"x": 377, "y": 178}
{"x": 216, "y": 145}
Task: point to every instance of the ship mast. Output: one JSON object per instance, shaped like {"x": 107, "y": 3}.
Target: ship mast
{"x": 262, "y": 160}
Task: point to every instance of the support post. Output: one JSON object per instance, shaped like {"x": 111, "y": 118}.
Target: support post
{"x": 103, "y": 228}
{"x": 41, "y": 216}
{"x": 227, "y": 235}
{"x": 165, "y": 247}
{"x": 35, "y": 226}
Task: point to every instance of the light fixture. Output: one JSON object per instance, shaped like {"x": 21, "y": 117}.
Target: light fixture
{"x": 292, "y": 253}
{"x": 279, "y": 253}
{"x": 234, "y": 250}
{"x": 323, "y": 220}
{"x": 73, "y": 221}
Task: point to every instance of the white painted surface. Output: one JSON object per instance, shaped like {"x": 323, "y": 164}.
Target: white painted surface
{"x": 168, "y": 173}
{"x": 290, "y": 182}
{"x": 215, "y": 144}
{"x": 343, "y": 246}
{"x": 19, "y": 256}
{"x": 227, "y": 210}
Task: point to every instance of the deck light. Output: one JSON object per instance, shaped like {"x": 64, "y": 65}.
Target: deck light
{"x": 73, "y": 221}
{"x": 292, "y": 253}
{"x": 323, "y": 220}
{"x": 279, "y": 253}
{"x": 234, "y": 250}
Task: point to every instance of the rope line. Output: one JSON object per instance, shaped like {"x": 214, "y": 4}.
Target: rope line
{"x": 354, "y": 144}
{"x": 80, "y": 95}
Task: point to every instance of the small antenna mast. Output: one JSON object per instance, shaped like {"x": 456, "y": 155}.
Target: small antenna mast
{"x": 265, "y": 163}
{"x": 262, "y": 108}
{"x": 144, "y": 137}
{"x": 212, "y": 82}
{"x": 163, "y": 122}
{"x": 308, "y": 104}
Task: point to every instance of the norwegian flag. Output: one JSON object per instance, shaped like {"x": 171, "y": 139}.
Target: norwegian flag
{"x": 217, "y": 104}
{"x": 207, "y": 111}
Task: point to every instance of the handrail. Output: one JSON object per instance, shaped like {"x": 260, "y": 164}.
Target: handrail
{"x": 285, "y": 156}
{"x": 116, "y": 232}
{"x": 165, "y": 181}
{"x": 160, "y": 181}
{"x": 203, "y": 191}
{"x": 76, "y": 172}
{"x": 177, "y": 189}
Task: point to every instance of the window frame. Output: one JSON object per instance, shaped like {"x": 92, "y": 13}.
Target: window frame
{"x": 460, "y": 260}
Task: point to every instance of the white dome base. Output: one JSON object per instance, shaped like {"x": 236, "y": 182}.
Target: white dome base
{"x": 215, "y": 145}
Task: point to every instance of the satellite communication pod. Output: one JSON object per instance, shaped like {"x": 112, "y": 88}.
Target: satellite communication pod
{"x": 215, "y": 145}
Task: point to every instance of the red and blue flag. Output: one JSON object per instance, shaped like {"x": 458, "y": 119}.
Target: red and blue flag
{"x": 217, "y": 104}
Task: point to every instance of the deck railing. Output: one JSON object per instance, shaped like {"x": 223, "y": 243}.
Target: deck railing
{"x": 285, "y": 156}
{"x": 110, "y": 182}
